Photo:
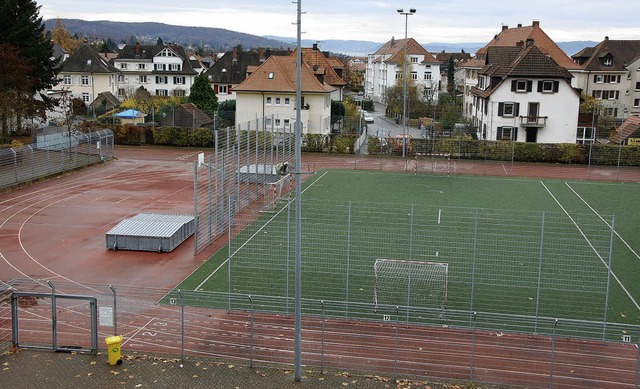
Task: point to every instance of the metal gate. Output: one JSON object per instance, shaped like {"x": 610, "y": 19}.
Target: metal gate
{"x": 58, "y": 322}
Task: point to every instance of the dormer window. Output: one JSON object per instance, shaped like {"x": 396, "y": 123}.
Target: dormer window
{"x": 607, "y": 62}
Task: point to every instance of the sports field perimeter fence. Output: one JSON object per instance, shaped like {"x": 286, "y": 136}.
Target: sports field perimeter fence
{"x": 239, "y": 172}
{"x": 468, "y": 346}
{"x": 54, "y": 152}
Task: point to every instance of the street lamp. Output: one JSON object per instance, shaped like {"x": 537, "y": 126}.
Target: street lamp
{"x": 404, "y": 76}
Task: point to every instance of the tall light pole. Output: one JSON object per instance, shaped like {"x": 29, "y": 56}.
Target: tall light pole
{"x": 405, "y": 76}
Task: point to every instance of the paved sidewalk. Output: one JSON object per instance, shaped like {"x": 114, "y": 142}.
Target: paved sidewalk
{"x": 47, "y": 369}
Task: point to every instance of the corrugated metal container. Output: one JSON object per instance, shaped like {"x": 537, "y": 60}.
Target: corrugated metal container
{"x": 151, "y": 232}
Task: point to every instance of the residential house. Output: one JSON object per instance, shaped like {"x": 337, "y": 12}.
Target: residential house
{"x": 524, "y": 95}
{"x": 385, "y": 68}
{"x": 163, "y": 70}
{"x": 510, "y": 37}
{"x": 446, "y": 59}
{"x": 85, "y": 74}
{"x": 325, "y": 68}
{"x": 270, "y": 93}
{"x": 610, "y": 72}
{"x": 233, "y": 68}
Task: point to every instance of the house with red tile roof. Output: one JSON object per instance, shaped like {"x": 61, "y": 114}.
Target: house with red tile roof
{"x": 269, "y": 92}
{"x": 610, "y": 72}
{"x": 325, "y": 68}
{"x": 628, "y": 133}
{"x": 523, "y": 95}
{"x": 385, "y": 69}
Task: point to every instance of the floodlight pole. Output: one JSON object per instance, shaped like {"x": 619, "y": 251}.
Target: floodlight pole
{"x": 297, "y": 340}
{"x": 405, "y": 76}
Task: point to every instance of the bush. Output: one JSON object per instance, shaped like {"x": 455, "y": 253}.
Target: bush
{"x": 343, "y": 144}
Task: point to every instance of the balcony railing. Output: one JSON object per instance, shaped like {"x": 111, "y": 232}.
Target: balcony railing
{"x": 533, "y": 121}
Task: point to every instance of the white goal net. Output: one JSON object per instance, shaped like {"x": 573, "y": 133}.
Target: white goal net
{"x": 275, "y": 191}
{"x": 410, "y": 283}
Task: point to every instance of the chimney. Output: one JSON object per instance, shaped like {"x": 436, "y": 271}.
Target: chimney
{"x": 529, "y": 42}
{"x": 606, "y": 38}
{"x": 137, "y": 48}
{"x": 315, "y": 47}
{"x": 519, "y": 25}
{"x": 520, "y": 43}
{"x": 504, "y": 27}
{"x": 536, "y": 23}
{"x": 393, "y": 41}
{"x": 235, "y": 54}
{"x": 261, "y": 55}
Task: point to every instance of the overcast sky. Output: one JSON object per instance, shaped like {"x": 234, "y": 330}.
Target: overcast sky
{"x": 447, "y": 21}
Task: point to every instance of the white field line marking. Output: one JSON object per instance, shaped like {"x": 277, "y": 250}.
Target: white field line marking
{"x": 138, "y": 331}
{"x": 505, "y": 169}
{"x": 592, "y": 248}
{"x": 439, "y": 214}
{"x": 605, "y": 222}
{"x": 251, "y": 237}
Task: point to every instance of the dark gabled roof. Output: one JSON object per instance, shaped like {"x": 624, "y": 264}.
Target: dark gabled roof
{"x": 232, "y": 68}
{"x": 321, "y": 65}
{"x": 532, "y": 62}
{"x": 201, "y": 118}
{"x": 87, "y": 60}
{"x": 108, "y": 98}
{"x": 622, "y": 52}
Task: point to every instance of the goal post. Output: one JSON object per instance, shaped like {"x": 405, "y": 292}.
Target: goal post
{"x": 275, "y": 191}
{"x": 410, "y": 283}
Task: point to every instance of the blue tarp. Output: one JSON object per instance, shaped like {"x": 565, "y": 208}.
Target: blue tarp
{"x": 130, "y": 114}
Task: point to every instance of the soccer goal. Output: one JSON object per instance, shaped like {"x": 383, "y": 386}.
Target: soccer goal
{"x": 275, "y": 191}
{"x": 410, "y": 283}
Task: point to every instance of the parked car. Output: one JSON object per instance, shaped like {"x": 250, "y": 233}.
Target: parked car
{"x": 368, "y": 118}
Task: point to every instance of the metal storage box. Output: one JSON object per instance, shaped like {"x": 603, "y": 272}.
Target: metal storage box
{"x": 151, "y": 232}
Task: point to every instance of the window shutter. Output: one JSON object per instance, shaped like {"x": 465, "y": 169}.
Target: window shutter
{"x": 516, "y": 109}
{"x": 500, "y": 108}
{"x": 617, "y": 94}
{"x": 595, "y": 78}
{"x": 540, "y": 86}
{"x": 514, "y": 85}
{"x": 556, "y": 86}
{"x": 499, "y": 133}
{"x": 529, "y": 86}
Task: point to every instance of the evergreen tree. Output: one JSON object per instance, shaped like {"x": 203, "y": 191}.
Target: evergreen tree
{"x": 226, "y": 114}
{"x": 21, "y": 27}
{"x": 451, "y": 82}
{"x": 203, "y": 96}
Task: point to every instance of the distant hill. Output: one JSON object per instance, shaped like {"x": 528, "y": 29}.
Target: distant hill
{"x": 219, "y": 39}
{"x": 148, "y": 33}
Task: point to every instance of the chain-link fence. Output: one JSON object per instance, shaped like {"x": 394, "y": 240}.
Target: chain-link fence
{"x": 467, "y": 345}
{"x": 55, "y": 151}
{"x": 240, "y": 175}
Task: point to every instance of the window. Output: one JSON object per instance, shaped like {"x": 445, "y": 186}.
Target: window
{"x": 548, "y": 86}
{"x": 142, "y": 66}
{"x": 506, "y": 133}
{"x": 584, "y": 135}
{"x": 597, "y": 94}
{"x": 267, "y": 122}
{"x": 522, "y": 85}
{"x": 636, "y": 103}
{"x": 162, "y": 80}
{"x": 67, "y": 80}
{"x": 414, "y": 75}
{"x": 612, "y": 79}
{"x": 398, "y": 75}
{"x": 142, "y": 79}
{"x": 278, "y": 123}
{"x": 222, "y": 89}
{"x": 270, "y": 75}
{"x": 277, "y": 101}
{"x": 179, "y": 92}
{"x": 85, "y": 80}
{"x": 286, "y": 123}
{"x": 162, "y": 92}
{"x": 86, "y": 98}
{"x": 159, "y": 66}
{"x": 175, "y": 67}
{"x": 167, "y": 53}
{"x": 121, "y": 92}
{"x": 598, "y": 79}
{"x": 508, "y": 109}
{"x": 414, "y": 59}
{"x": 179, "y": 80}
{"x": 120, "y": 78}
{"x": 608, "y": 62}
{"x": 268, "y": 100}
{"x": 637, "y": 85}
{"x": 610, "y": 94}
{"x": 427, "y": 75}
{"x": 124, "y": 65}
{"x": 287, "y": 101}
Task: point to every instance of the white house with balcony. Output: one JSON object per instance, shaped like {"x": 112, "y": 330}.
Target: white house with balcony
{"x": 524, "y": 95}
{"x": 385, "y": 68}
{"x": 163, "y": 70}
{"x": 270, "y": 93}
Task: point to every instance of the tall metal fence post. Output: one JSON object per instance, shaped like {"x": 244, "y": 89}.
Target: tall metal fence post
{"x": 395, "y": 352}
{"x": 475, "y": 254}
{"x": 638, "y": 363}
{"x": 54, "y": 316}
{"x": 322, "y": 340}
{"x": 473, "y": 344}
{"x": 195, "y": 208}
{"x": 535, "y": 330}
{"x": 346, "y": 300}
{"x": 609, "y": 271}
{"x": 553, "y": 349}
{"x": 251, "y": 338}
{"x": 115, "y": 310}
{"x": 181, "y": 326}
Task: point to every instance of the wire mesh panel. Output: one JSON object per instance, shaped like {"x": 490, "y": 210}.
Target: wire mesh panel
{"x": 54, "y": 153}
